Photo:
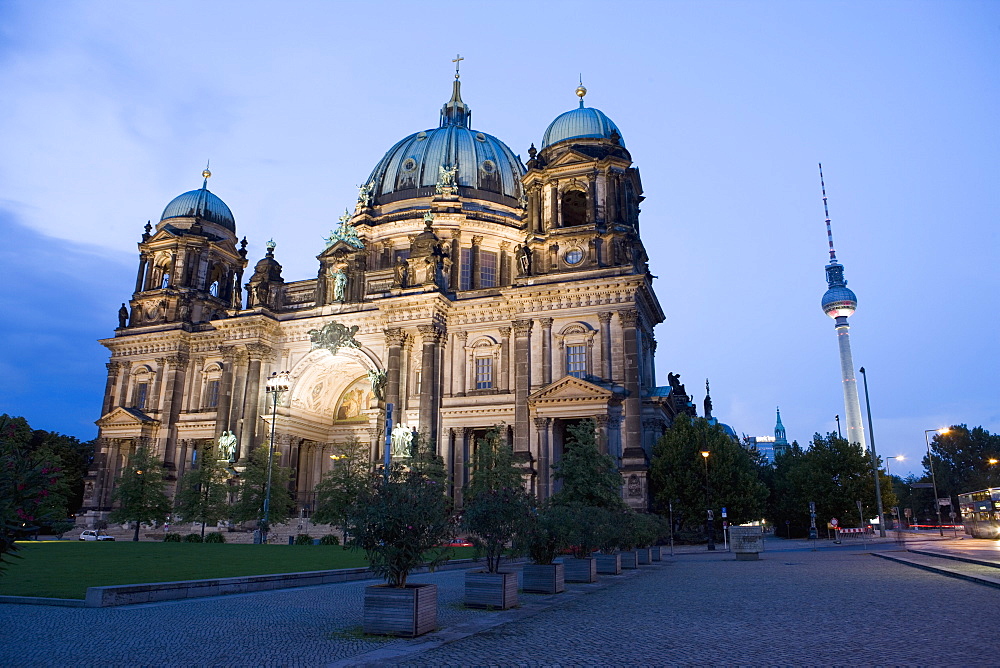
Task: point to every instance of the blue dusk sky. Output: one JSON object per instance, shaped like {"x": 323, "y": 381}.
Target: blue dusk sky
{"x": 111, "y": 109}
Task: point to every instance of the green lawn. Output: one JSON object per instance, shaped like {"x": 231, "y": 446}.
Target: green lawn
{"x": 64, "y": 569}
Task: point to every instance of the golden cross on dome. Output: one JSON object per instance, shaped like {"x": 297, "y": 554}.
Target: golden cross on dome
{"x": 458, "y": 61}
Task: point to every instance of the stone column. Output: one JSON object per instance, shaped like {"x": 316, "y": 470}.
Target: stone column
{"x": 522, "y": 384}
{"x": 604, "y": 318}
{"x": 505, "y": 359}
{"x": 602, "y": 433}
{"x": 239, "y": 391}
{"x": 149, "y": 275}
{"x": 475, "y": 279}
{"x": 251, "y": 402}
{"x": 633, "y": 401}
{"x": 430, "y": 335}
{"x": 458, "y": 357}
{"x": 542, "y": 426}
{"x": 153, "y": 398}
{"x": 546, "y": 324}
{"x": 141, "y": 273}
{"x": 456, "y": 261}
{"x": 124, "y": 369}
{"x": 225, "y": 390}
{"x": 174, "y": 388}
{"x": 503, "y": 271}
{"x": 394, "y": 338}
{"x": 109, "y": 387}
{"x": 448, "y": 455}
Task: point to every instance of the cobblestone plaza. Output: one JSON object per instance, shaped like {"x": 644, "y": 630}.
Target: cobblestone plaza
{"x": 793, "y": 607}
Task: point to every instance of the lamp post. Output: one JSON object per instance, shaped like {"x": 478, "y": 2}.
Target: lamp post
{"x": 897, "y": 458}
{"x": 708, "y": 505}
{"x": 276, "y": 384}
{"x": 871, "y": 446}
{"x": 837, "y": 418}
{"x": 142, "y": 500}
{"x": 930, "y": 461}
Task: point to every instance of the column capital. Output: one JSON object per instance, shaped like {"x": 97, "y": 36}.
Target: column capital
{"x": 546, "y": 323}
{"x": 604, "y": 317}
{"x": 505, "y": 332}
{"x": 430, "y": 333}
{"x": 462, "y": 336}
{"x": 477, "y": 239}
{"x": 601, "y": 420}
{"x": 504, "y": 245}
{"x": 395, "y": 336}
{"x": 259, "y": 351}
{"x": 542, "y": 422}
{"x": 629, "y": 317}
{"x": 521, "y": 327}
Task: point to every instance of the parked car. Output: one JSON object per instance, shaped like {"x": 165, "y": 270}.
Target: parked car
{"x": 91, "y": 534}
{"x": 458, "y": 542}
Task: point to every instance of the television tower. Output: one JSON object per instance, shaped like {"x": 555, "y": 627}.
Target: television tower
{"x": 839, "y": 302}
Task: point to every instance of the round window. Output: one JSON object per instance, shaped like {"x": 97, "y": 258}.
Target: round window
{"x": 480, "y": 136}
{"x": 409, "y": 165}
{"x": 421, "y": 136}
{"x": 488, "y": 166}
{"x": 573, "y": 256}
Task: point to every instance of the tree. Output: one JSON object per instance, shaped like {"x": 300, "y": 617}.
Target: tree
{"x": 202, "y": 493}
{"x": 29, "y": 482}
{"x": 961, "y": 461}
{"x": 139, "y": 491}
{"x": 588, "y": 477}
{"x": 253, "y": 489}
{"x": 678, "y": 474}
{"x": 497, "y": 507}
{"x": 339, "y": 487}
{"x": 832, "y": 473}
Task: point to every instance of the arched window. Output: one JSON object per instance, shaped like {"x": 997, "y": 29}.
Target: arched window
{"x": 577, "y": 342}
{"x": 574, "y": 208}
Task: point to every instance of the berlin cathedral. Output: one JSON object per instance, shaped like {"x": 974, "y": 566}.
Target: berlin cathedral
{"x": 466, "y": 290}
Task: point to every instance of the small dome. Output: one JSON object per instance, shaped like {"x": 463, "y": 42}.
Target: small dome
{"x": 202, "y": 204}
{"x": 582, "y": 122}
{"x": 839, "y": 301}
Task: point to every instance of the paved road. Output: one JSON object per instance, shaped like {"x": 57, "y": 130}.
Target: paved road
{"x": 793, "y": 607}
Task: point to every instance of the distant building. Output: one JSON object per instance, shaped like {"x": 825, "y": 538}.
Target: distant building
{"x": 770, "y": 446}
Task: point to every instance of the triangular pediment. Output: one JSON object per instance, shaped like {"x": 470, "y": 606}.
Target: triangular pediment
{"x": 570, "y": 157}
{"x": 339, "y": 249}
{"x": 570, "y": 388}
{"x": 123, "y": 417}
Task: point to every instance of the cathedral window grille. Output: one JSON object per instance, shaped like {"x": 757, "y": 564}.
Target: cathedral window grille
{"x": 465, "y": 272}
{"x": 484, "y": 373}
{"x": 576, "y": 361}
{"x": 141, "y": 392}
{"x": 487, "y": 269}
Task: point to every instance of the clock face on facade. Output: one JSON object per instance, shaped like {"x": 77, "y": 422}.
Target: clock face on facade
{"x": 573, "y": 256}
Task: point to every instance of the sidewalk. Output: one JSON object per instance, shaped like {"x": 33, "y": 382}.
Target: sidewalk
{"x": 689, "y": 609}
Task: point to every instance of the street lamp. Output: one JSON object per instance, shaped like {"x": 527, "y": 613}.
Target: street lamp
{"x": 837, "y": 418}
{"x": 276, "y": 384}
{"x": 898, "y": 458}
{"x": 930, "y": 461}
{"x": 708, "y": 505}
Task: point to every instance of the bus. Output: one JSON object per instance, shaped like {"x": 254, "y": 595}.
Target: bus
{"x": 981, "y": 512}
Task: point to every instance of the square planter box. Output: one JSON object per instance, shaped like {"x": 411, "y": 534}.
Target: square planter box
{"x": 400, "y": 611}
{"x": 580, "y": 570}
{"x": 645, "y": 555}
{"x": 609, "y": 564}
{"x": 657, "y": 553}
{"x": 490, "y": 590}
{"x": 544, "y": 578}
{"x": 630, "y": 559}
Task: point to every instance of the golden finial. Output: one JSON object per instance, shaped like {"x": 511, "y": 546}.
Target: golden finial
{"x": 581, "y": 90}
{"x": 206, "y": 174}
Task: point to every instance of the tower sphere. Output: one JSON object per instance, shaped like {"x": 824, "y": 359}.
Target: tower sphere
{"x": 839, "y": 301}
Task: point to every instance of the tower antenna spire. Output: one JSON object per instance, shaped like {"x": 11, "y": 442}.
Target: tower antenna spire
{"x": 826, "y": 212}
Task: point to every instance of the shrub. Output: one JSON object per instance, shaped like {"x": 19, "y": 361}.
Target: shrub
{"x": 329, "y": 539}
{"x": 215, "y": 537}
{"x": 547, "y": 534}
{"x": 171, "y": 538}
{"x": 303, "y": 539}
{"x": 192, "y": 538}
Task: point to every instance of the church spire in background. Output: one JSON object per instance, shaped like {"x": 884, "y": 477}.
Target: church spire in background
{"x": 455, "y": 111}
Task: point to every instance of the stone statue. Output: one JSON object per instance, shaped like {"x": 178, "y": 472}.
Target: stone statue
{"x": 122, "y": 316}
{"x": 339, "y": 285}
{"x": 377, "y": 379}
{"x": 401, "y": 272}
{"x": 523, "y": 254}
{"x": 227, "y": 446}
{"x": 676, "y": 387}
{"x": 401, "y": 440}
{"x": 446, "y": 181}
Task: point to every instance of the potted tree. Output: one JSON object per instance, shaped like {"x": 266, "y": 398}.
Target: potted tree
{"x": 610, "y": 539}
{"x": 590, "y": 482}
{"x": 646, "y": 533}
{"x": 400, "y": 518}
{"x": 628, "y": 539}
{"x": 546, "y": 536}
{"x": 496, "y": 512}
